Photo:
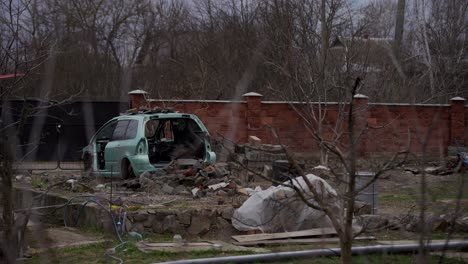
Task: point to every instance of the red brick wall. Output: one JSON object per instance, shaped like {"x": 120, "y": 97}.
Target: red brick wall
{"x": 389, "y": 126}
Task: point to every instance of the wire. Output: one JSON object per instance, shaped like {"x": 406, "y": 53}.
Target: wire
{"x": 94, "y": 199}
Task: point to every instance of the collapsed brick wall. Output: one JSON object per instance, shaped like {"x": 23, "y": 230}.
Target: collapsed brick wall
{"x": 387, "y": 127}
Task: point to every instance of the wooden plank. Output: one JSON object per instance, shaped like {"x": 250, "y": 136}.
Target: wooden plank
{"x": 300, "y": 241}
{"x": 169, "y": 244}
{"x": 303, "y": 233}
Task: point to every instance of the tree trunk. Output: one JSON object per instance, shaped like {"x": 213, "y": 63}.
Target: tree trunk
{"x": 399, "y": 28}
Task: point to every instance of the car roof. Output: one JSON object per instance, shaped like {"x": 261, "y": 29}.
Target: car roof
{"x": 154, "y": 115}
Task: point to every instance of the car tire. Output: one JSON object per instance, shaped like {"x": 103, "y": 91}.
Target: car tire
{"x": 127, "y": 170}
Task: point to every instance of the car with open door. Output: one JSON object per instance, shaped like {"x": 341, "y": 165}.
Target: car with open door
{"x": 131, "y": 144}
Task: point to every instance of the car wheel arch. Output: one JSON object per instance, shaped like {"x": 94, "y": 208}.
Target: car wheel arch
{"x": 127, "y": 169}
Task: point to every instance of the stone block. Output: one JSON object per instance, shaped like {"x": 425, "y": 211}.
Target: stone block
{"x": 140, "y": 217}
{"x": 171, "y": 224}
{"x": 255, "y": 142}
{"x": 184, "y": 217}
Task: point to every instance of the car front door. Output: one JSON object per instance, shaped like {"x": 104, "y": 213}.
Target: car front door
{"x": 102, "y": 139}
{"x": 113, "y": 153}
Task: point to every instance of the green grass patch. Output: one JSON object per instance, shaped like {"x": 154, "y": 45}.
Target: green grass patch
{"x": 129, "y": 253}
{"x": 94, "y": 254}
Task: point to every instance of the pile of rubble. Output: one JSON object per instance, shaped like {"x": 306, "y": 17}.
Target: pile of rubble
{"x": 188, "y": 177}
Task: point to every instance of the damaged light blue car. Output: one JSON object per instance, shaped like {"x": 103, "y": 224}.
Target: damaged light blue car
{"x": 131, "y": 144}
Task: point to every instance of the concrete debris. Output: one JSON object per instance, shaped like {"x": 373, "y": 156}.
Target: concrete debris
{"x": 255, "y": 142}
{"x": 321, "y": 167}
{"x": 412, "y": 170}
{"x": 218, "y": 186}
{"x": 433, "y": 170}
{"x": 183, "y": 177}
{"x": 19, "y": 178}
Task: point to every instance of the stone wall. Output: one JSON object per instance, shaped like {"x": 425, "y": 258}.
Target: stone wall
{"x": 190, "y": 221}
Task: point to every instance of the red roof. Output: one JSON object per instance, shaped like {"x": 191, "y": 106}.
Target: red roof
{"x": 7, "y": 76}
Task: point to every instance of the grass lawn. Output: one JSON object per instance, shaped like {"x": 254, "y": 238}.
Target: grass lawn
{"x": 130, "y": 254}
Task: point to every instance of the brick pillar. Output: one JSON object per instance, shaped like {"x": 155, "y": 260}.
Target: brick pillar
{"x": 361, "y": 114}
{"x": 253, "y": 115}
{"x": 457, "y": 121}
{"x": 137, "y": 98}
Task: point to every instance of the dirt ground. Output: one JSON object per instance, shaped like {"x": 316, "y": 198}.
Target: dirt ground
{"x": 400, "y": 192}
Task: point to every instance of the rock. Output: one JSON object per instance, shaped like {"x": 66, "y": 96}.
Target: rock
{"x": 128, "y": 226}
{"x": 167, "y": 189}
{"x": 100, "y": 186}
{"x": 184, "y": 217}
{"x": 180, "y": 189}
{"x": 157, "y": 226}
{"x": 140, "y": 217}
{"x": 19, "y": 178}
{"x": 373, "y": 222}
{"x": 138, "y": 227}
{"x": 433, "y": 170}
{"x": 227, "y": 213}
{"x": 221, "y": 193}
{"x": 170, "y": 223}
{"x": 135, "y": 236}
{"x": 412, "y": 170}
{"x": 149, "y": 222}
{"x": 200, "y": 223}
{"x": 438, "y": 223}
{"x": 220, "y": 170}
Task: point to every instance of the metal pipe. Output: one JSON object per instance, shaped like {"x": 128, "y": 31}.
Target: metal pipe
{"x": 325, "y": 252}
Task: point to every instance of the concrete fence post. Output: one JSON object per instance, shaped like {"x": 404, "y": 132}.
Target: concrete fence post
{"x": 137, "y": 98}
{"x": 253, "y": 113}
{"x": 457, "y": 121}
{"x": 361, "y": 114}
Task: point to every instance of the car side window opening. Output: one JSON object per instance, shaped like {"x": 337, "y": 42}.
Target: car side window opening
{"x": 175, "y": 138}
{"x": 106, "y": 132}
{"x": 151, "y": 128}
{"x": 132, "y": 129}
{"x": 119, "y": 132}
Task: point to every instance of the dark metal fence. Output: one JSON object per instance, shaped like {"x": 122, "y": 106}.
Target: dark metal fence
{"x": 53, "y": 137}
